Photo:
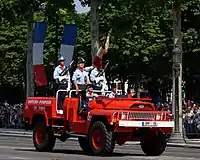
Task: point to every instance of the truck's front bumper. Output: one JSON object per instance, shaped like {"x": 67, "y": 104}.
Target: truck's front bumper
{"x": 142, "y": 124}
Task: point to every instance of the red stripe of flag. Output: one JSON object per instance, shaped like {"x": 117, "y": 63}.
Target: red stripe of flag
{"x": 40, "y": 76}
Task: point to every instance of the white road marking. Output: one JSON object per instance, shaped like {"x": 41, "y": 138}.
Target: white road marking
{"x": 8, "y": 157}
{"x": 10, "y": 147}
{"x": 160, "y": 158}
{"x": 19, "y": 158}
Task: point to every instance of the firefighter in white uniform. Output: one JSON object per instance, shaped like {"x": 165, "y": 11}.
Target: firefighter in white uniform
{"x": 81, "y": 80}
{"x": 80, "y": 76}
{"x": 98, "y": 80}
{"x": 61, "y": 82}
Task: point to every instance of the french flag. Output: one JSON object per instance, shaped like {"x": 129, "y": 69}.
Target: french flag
{"x": 97, "y": 60}
{"x": 38, "y": 45}
{"x": 68, "y": 42}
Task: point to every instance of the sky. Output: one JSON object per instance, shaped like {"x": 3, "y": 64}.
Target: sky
{"x": 79, "y": 8}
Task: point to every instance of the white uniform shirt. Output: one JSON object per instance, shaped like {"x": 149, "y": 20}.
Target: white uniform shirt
{"x": 94, "y": 74}
{"x": 79, "y": 76}
{"x": 98, "y": 80}
{"x": 112, "y": 95}
{"x": 57, "y": 72}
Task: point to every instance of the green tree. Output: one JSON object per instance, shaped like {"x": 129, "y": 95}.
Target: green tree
{"x": 13, "y": 13}
{"x": 12, "y": 61}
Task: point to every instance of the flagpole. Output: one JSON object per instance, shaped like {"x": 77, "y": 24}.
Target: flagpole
{"x": 57, "y": 23}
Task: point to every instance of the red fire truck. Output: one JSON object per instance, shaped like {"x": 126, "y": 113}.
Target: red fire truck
{"x": 109, "y": 121}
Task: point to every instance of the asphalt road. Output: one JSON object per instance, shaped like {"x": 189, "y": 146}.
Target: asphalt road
{"x": 16, "y": 148}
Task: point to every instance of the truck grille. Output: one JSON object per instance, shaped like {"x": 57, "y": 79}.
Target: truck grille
{"x": 143, "y": 116}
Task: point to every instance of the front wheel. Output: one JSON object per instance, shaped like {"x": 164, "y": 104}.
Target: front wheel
{"x": 43, "y": 138}
{"x": 84, "y": 144}
{"x": 101, "y": 140}
{"x": 155, "y": 146}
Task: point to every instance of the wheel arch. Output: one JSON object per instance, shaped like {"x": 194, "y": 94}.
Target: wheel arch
{"x": 96, "y": 118}
{"x": 39, "y": 117}
{"x": 101, "y": 118}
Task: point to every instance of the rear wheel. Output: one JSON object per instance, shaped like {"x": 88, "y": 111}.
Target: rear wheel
{"x": 84, "y": 144}
{"x": 101, "y": 140}
{"x": 155, "y": 146}
{"x": 43, "y": 138}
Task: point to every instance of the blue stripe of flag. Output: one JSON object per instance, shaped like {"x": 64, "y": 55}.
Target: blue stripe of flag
{"x": 69, "y": 34}
{"x": 39, "y": 32}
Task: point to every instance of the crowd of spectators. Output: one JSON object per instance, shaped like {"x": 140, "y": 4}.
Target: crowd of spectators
{"x": 11, "y": 115}
{"x": 191, "y": 117}
{"x": 164, "y": 106}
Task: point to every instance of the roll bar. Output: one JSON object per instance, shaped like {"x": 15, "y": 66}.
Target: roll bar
{"x": 60, "y": 90}
{"x": 70, "y": 93}
{"x": 95, "y": 91}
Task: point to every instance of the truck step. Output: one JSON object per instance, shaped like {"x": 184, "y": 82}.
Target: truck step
{"x": 56, "y": 126}
{"x": 77, "y": 135}
{"x": 71, "y": 135}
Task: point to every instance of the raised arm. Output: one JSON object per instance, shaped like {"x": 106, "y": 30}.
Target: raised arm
{"x": 87, "y": 69}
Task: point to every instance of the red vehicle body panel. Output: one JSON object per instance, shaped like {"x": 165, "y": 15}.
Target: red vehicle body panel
{"x": 121, "y": 103}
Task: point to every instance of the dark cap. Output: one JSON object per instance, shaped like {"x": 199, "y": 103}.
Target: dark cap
{"x": 81, "y": 60}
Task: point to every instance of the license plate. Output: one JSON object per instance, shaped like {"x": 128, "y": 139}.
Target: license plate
{"x": 149, "y": 124}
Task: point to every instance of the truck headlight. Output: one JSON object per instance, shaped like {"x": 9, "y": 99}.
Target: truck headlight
{"x": 124, "y": 116}
{"x": 158, "y": 117}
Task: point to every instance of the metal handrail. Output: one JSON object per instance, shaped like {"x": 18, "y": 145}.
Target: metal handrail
{"x": 95, "y": 91}
{"x": 70, "y": 93}
{"x": 60, "y": 90}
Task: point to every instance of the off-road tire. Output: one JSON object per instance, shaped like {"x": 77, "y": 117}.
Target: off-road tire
{"x": 107, "y": 137}
{"x": 156, "y": 146}
{"x": 84, "y": 144}
{"x": 48, "y": 143}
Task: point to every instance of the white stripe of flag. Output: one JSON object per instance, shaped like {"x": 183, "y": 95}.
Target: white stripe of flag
{"x": 68, "y": 42}
{"x": 38, "y": 45}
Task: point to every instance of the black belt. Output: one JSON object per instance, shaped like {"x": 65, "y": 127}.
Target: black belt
{"x": 82, "y": 86}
